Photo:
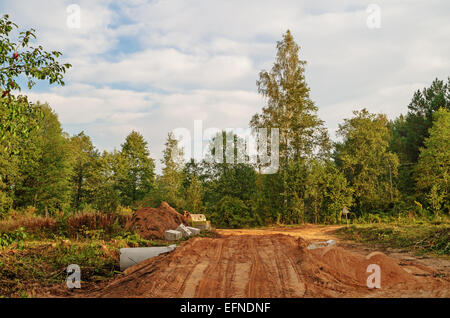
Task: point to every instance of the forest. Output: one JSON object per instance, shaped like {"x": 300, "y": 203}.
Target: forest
{"x": 378, "y": 168}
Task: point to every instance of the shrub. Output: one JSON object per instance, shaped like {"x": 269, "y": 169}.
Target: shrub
{"x": 232, "y": 212}
{"x": 17, "y": 236}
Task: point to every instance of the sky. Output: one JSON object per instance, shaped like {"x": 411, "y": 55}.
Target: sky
{"x": 154, "y": 66}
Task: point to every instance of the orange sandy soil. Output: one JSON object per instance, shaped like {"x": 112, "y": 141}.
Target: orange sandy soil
{"x": 274, "y": 262}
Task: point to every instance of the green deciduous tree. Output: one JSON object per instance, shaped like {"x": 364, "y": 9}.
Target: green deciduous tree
{"x": 45, "y": 167}
{"x": 105, "y": 181}
{"x": 433, "y": 169}
{"x": 84, "y": 159}
{"x": 170, "y": 183}
{"x": 366, "y": 160}
{"x": 21, "y": 58}
{"x": 135, "y": 169}
{"x": 194, "y": 196}
{"x": 18, "y": 117}
{"x": 290, "y": 108}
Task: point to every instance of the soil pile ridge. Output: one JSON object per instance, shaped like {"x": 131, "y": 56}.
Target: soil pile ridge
{"x": 151, "y": 223}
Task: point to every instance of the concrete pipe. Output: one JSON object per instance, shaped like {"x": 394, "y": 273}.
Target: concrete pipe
{"x": 133, "y": 256}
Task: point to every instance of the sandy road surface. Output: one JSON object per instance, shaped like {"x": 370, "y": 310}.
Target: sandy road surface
{"x": 307, "y": 232}
{"x": 266, "y": 263}
{"x": 315, "y": 233}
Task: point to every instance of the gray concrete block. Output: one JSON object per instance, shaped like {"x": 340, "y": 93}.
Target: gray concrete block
{"x": 133, "y": 256}
{"x": 184, "y": 230}
{"x": 204, "y": 227}
{"x": 194, "y": 230}
{"x": 172, "y": 235}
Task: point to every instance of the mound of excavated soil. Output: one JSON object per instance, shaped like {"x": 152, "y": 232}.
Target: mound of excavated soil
{"x": 151, "y": 223}
{"x": 351, "y": 269}
{"x": 267, "y": 266}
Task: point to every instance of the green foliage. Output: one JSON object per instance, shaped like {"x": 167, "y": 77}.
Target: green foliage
{"x": 366, "y": 160}
{"x": 17, "y": 237}
{"x": 135, "y": 169}
{"x": 105, "y": 178}
{"x": 232, "y": 213}
{"x": 5, "y": 203}
{"x": 302, "y": 135}
{"x": 20, "y": 58}
{"x": 337, "y": 194}
{"x": 413, "y": 129}
{"x": 433, "y": 168}
{"x": 19, "y": 119}
{"x": 134, "y": 240}
{"x": 289, "y": 106}
{"x": 44, "y": 264}
{"x": 194, "y": 196}
{"x": 420, "y": 237}
{"x": 45, "y": 167}
{"x": 84, "y": 165}
{"x": 170, "y": 183}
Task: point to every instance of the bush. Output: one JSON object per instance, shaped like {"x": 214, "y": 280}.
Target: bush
{"x": 421, "y": 236}
{"x": 232, "y": 212}
{"x": 5, "y": 204}
{"x": 18, "y": 236}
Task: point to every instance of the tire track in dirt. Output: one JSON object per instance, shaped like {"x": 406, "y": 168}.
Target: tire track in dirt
{"x": 280, "y": 269}
{"x": 241, "y": 268}
{"x": 272, "y": 276}
{"x": 208, "y": 283}
{"x": 175, "y": 275}
{"x": 294, "y": 284}
{"x": 187, "y": 289}
{"x": 255, "y": 270}
{"x": 264, "y": 280}
{"x": 230, "y": 268}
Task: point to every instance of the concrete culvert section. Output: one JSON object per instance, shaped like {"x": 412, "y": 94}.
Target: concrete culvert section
{"x": 133, "y": 256}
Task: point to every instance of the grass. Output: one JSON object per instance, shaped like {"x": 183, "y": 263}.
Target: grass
{"x": 36, "y": 250}
{"x": 44, "y": 263}
{"x": 420, "y": 236}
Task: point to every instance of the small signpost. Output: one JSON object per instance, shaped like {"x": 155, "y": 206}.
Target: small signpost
{"x": 346, "y": 212}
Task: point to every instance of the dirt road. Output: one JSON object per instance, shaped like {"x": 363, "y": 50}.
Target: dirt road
{"x": 308, "y": 232}
{"x": 266, "y": 263}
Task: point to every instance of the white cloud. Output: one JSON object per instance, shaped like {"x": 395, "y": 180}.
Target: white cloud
{"x": 158, "y": 65}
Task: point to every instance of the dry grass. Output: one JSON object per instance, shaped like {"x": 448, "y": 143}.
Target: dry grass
{"x": 70, "y": 225}
{"x": 30, "y": 223}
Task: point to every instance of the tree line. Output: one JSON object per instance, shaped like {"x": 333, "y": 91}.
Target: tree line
{"x": 378, "y": 166}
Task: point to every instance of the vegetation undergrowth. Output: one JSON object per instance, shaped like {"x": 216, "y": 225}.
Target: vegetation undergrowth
{"x": 419, "y": 236}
